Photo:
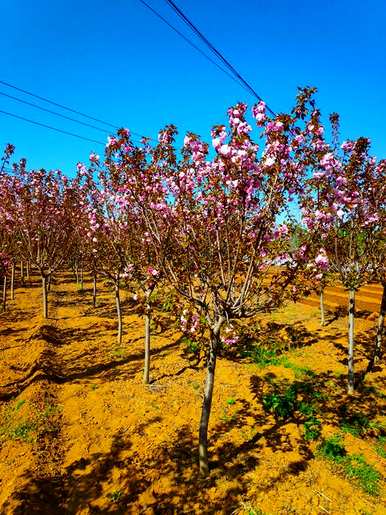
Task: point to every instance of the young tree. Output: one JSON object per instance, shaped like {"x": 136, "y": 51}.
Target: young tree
{"x": 40, "y": 210}
{"x": 341, "y": 210}
{"x": 214, "y": 225}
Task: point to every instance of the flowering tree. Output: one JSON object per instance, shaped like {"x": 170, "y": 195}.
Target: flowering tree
{"x": 40, "y": 212}
{"x": 137, "y": 258}
{"x": 214, "y": 225}
{"x": 378, "y": 257}
{"x": 342, "y": 209}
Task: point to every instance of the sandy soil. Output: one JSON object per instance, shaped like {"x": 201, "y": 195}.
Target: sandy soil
{"x": 81, "y": 434}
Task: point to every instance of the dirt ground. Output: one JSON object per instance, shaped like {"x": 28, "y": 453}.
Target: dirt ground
{"x": 81, "y": 434}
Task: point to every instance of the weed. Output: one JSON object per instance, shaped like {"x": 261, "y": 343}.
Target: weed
{"x": 227, "y": 415}
{"x": 380, "y": 447}
{"x": 16, "y": 426}
{"x": 115, "y": 496}
{"x": 94, "y": 386}
{"x": 27, "y": 428}
{"x": 298, "y": 371}
{"x": 195, "y": 385}
{"x": 23, "y": 431}
{"x": 352, "y": 465}
{"x": 356, "y": 424}
{"x": 231, "y": 401}
{"x": 311, "y": 428}
{"x": 263, "y": 356}
{"x": 168, "y": 304}
{"x": 119, "y": 352}
{"x": 191, "y": 346}
{"x": 333, "y": 448}
{"x": 19, "y": 404}
{"x": 367, "y": 476}
{"x": 282, "y": 405}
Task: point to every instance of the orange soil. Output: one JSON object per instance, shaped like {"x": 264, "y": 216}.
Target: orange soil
{"x": 102, "y": 442}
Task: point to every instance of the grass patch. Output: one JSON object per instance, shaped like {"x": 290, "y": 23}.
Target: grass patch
{"x": 119, "y": 352}
{"x": 368, "y": 477}
{"x": 27, "y": 425}
{"x": 115, "y": 496}
{"x": 333, "y": 448}
{"x": 380, "y": 447}
{"x": 351, "y": 465}
{"x": 356, "y": 424}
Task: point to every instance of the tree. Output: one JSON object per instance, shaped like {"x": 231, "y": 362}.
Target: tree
{"x": 40, "y": 210}
{"x": 214, "y": 225}
{"x": 341, "y": 209}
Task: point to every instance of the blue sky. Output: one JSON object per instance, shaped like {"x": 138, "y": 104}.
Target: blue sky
{"x": 115, "y": 60}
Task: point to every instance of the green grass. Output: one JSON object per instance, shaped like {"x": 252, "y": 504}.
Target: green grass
{"x": 27, "y": 425}
{"x": 352, "y": 465}
{"x": 115, "y": 496}
{"x": 380, "y": 446}
{"x": 311, "y": 428}
{"x": 263, "y": 357}
{"x": 368, "y": 477}
{"x": 119, "y": 352}
{"x": 356, "y": 424}
{"x": 227, "y": 416}
{"x": 333, "y": 448}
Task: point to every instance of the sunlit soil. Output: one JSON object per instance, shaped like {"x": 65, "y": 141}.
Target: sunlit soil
{"x": 81, "y": 434}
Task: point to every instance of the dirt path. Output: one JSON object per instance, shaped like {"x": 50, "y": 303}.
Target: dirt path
{"x": 105, "y": 443}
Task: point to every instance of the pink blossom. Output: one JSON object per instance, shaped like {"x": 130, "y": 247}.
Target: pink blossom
{"x": 321, "y": 260}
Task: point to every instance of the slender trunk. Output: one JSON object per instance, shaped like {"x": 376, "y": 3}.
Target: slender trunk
{"x": 45, "y": 296}
{"x": 49, "y": 283}
{"x": 322, "y": 313}
{"x": 94, "y": 289}
{"x": 76, "y": 274}
{"x": 146, "y": 368}
{"x": 81, "y": 279}
{"x": 5, "y": 292}
{"x": 207, "y": 401}
{"x": 28, "y": 273}
{"x": 119, "y": 312}
{"x": 350, "y": 361}
{"x": 13, "y": 281}
{"x": 381, "y": 322}
{"x": 22, "y": 272}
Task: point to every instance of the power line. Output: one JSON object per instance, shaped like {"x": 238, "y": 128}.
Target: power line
{"x": 62, "y": 106}
{"x": 36, "y": 106}
{"x": 51, "y": 127}
{"x": 214, "y": 50}
{"x": 182, "y": 35}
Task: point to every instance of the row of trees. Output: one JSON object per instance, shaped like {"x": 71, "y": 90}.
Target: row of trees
{"x": 234, "y": 230}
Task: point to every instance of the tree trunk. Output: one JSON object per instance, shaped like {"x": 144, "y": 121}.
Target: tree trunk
{"x": 119, "y": 312}
{"x": 350, "y": 361}
{"x": 207, "y": 401}
{"x": 76, "y": 274}
{"x": 81, "y": 279}
{"x": 45, "y": 296}
{"x": 381, "y": 321}
{"x": 22, "y": 273}
{"x": 146, "y": 368}
{"x": 28, "y": 273}
{"x": 5, "y": 292}
{"x": 322, "y": 313}
{"x": 49, "y": 283}
{"x": 13, "y": 281}
{"x": 94, "y": 289}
